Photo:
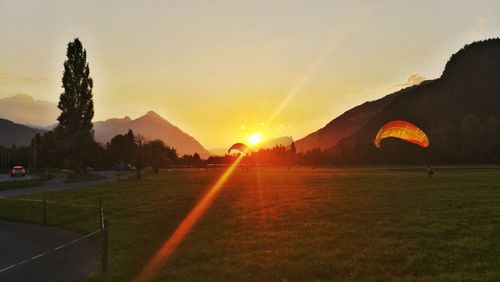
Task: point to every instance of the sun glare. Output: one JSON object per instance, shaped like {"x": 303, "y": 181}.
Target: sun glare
{"x": 186, "y": 225}
{"x": 254, "y": 139}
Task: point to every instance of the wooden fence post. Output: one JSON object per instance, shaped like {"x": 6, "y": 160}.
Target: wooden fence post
{"x": 105, "y": 245}
{"x": 44, "y": 210}
{"x": 101, "y": 216}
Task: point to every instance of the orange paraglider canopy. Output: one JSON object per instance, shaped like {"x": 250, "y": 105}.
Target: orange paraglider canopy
{"x": 403, "y": 130}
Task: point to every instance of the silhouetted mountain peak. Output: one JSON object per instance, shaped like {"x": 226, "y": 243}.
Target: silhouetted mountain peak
{"x": 345, "y": 124}
{"x": 22, "y": 97}
{"x": 151, "y": 117}
{"x": 151, "y": 126}
{"x": 474, "y": 60}
{"x": 12, "y": 133}
{"x": 152, "y": 114}
{"x": 119, "y": 120}
{"x": 284, "y": 141}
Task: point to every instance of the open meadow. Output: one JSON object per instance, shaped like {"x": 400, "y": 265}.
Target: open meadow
{"x": 279, "y": 224}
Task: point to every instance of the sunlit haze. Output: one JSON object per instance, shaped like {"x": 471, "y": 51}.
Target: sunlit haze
{"x": 254, "y": 139}
{"x": 222, "y": 70}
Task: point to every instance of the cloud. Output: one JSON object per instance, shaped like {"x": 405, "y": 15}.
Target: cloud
{"x": 33, "y": 79}
{"x": 3, "y": 78}
{"x": 23, "y": 108}
{"x": 477, "y": 31}
{"x": 385, "y": 88}
{"x": 7, "y": 78}
{"x": 412, "y": 80}
{"x": 377, "y": 89}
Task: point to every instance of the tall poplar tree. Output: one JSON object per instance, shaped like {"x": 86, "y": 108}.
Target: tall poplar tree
{"x": 75, "y": 103}
{"x": 75, "y": 128}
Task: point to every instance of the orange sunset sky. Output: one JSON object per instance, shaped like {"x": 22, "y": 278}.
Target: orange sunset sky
{"x": 222, "y": 70}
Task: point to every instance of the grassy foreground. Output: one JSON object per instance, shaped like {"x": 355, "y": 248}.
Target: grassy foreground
{"x": 274, "y": 224}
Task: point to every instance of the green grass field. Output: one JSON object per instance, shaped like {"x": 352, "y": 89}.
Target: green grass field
{"x": 274, "y": 224}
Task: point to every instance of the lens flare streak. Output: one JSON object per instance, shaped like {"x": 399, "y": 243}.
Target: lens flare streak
{"x": 186, "y": 225}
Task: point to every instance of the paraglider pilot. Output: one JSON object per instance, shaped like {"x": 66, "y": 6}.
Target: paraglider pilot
{"x": 430, "y": 172}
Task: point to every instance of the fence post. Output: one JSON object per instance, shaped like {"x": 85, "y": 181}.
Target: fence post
{"x": 105, "y": 235}
{"x": 101, "y": 216}
{"x": 44, "y": 210}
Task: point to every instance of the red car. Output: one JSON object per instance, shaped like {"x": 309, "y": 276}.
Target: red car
{"x": 18, "y": 171}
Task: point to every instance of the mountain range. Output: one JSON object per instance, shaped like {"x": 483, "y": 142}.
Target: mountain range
{"x": 151, "y": 126}
{"x": 344, "y": 125}
{"x": 279, "y": 141}
{"x": 459, "y": 111}
{"x": 16, "y": 134}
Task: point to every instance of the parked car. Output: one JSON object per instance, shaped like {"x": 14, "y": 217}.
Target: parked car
{"x": 18, "y": 171}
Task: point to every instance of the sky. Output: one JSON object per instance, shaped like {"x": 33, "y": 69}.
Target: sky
{"x": 224, "y": 70}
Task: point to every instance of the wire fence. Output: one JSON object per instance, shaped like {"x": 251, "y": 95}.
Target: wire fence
{"x": 102, "y": 227}
{"x": 52, "y": 202}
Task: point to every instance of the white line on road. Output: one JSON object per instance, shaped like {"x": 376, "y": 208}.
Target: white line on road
{"x": 49, "y": 251}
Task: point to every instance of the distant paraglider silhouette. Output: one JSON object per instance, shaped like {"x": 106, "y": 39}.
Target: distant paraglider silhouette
{"x": 403, "y": 130}
{"x": 239, "y": 147}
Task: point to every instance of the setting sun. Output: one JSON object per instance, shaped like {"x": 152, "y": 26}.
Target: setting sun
{"x": 254, "y": 139}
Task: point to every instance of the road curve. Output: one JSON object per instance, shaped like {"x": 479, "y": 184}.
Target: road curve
{"x": 22, "y": 243}
{"x": 57, "y": 183}
{"x": 8, "y": 178}
{"x": 32, "y": 252}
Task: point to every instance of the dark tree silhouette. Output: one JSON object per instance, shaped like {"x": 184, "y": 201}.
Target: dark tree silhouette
{"x": 140, "y": 156}
{"x": 75, "y": 103}
{"x": 191, "y": 160}
{"x": 75, "y": 127}
{"x": 122, "y": 148}
{"x": 158, "y": 155}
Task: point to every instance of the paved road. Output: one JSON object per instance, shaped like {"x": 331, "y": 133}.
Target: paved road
{"x": 20, "y": 241}
{"x": 57, "y": 183}
{"x": 7, "y": 178}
